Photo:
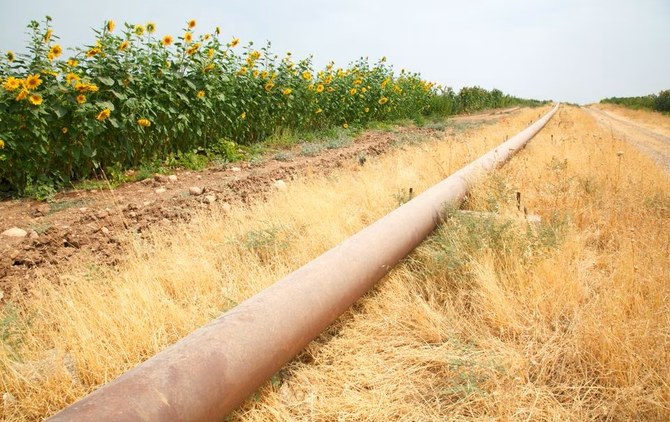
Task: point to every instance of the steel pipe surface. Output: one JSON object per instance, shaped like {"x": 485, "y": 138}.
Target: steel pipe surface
{"x": 209, "y": 373}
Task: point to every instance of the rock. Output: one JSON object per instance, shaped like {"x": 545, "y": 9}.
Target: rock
{"x": 198, "y": 177}
{"x": 195, "y": 190}
{"x": 132, "y": 214}
{"x": 102, "y": 214}
{"x": 104, "y": 231}
{"x": 15, "y": 232}
{"x": 172, "y": 178}
{"x": 147, "y": 203}
{"x": 165, "y": 221}
{"x": 160, "y": 178}
{"x": 83, "y": 209}
{"x": 160, "y": 190}
{"x": 42, "y": 209}
{"x": 235, "y": 169}
{"x": 280, "y": 184}
{"x": 210, "y": 199}
{"x": 33, "y": 234}
{"x": 226, "y": 207}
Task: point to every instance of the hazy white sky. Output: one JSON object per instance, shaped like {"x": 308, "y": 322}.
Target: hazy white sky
{"x": 568, "y": 50}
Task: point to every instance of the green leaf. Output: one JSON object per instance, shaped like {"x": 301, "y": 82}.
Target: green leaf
{"x": 60, "y": 112}
{"x": 119, "y": 95}
{"x": 105, "y": 104}
{"x": 106, "y": 80}
{"x": 190, "y": 84}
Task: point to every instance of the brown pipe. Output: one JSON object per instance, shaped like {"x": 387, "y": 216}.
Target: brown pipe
{"x": 209, "y": 373}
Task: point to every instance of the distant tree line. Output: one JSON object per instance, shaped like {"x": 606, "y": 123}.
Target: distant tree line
{"x": 658, "y": 102}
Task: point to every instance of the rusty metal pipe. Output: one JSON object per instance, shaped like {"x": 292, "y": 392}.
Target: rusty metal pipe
{"x": 210, "y": 372}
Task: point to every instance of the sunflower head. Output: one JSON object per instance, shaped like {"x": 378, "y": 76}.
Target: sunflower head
{"x": 201, "y": 94}
{"x": 319, "y": 88}
{"x": 383, "y": 100}
{"x": 2, "y": 144}
{"x": 144, "y": 122}
{"x": 11, "y": 84}
{"x": 191, "y": 24}
{"x": 286, "y": 91}
{"x": 139, "y": 30}
{"x": 35, "y": 99}
{"x": 32, "y": 82}
{"x": 188, "y": 37}
{"x": 81, "y": 99}
{"x": 10, "y": 56}
{"x": 124, "y": 45}
{"x": 103, "y": 115}
{"x": 167, "y": 40}
{"x": 47, "y": 36}
{"x": 72, "y": 63}
{"x": 269, "y": 86}
{"x": 55, "y": 51}
{"x": 151, "y": 27}
{"x": 110, "y": 25}
{"x": 306, "y": 75}
{"x": 234, "y": 42}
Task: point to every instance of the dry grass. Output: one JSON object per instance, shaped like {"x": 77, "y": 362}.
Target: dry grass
{"x": 488, "y": 319}
{"x": 653, "y": 120}
{"x": 104, "y": 321}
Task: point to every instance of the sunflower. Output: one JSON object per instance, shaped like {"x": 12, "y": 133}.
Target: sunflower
{"x": 71, "y": 77}
{"x": 383, "y": 100}
{"x": 92, "y": 52}
{"x": 188, "y": 37}
{"x": 234, "y": 42}
{"x": 139, "y": 30}
{"x": 217, "y": 30}
{"x": 255, "y": 55}
{"x": 143, "y": 122}
{"x": 56, "y": 50}
{"x": 207, "y": 36}
{"x": 209, "y": 67}
{"x": 286, "y": 91}
{"x": 10, "y": 56}
{"x": 366, "y": 109}
{"x": 72, "y": 63}
{"x": 124, "y": 45}
{"x": 318, "y": 111}
{"x": 32, "y": 82}
{"x": 81, "y": 99}
{"x": 190, "y": 51}
{"x": 269, "y": 86}
{"x": 243, "y": 115}
{"x": 201, "y": 94}
{"x": 385, "y": 82}
{"x": 191, "y": 24}
{"x": 167, "y": 40}
{"x": 151, "y": 27}
{"x": 63, "y": 130}
{"x": 306, "y": 75}
{"x": 353, "y": 91}
{"x": 47, "y": 36}
{"x": 11, "y": 84}
{"x": 2, "y": 144}
{"x": 319, "y": 88}
{"x": 104, "y": 114}
{"x": 35, "y": 99}
{"x": 346, "y": 126}
{"x": 110, "y": 25}
{"x": 243, "y": 70}
{"x": 22, "y": 95}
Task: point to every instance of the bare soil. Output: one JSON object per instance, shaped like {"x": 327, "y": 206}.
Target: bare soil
{"x": 100, "y": 221}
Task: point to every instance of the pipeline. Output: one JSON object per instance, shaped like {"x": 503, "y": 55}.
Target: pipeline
{"x": 210, "y": 372}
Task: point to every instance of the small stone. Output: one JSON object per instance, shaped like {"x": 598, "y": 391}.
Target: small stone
{"x": 160, "y": 178}
{"x": 280, "y": 184}
{"x": 235, "y": 169}
{"x": 226, "y": 207}
{"x": 102, "y": 214}
{"x": 33, "y": 234}
{"x": 147, "y": 203}
{"x": 15, "y": 232}
{"x": 195, "y": 190}
{"x": 165, "y": 221}
{"x": 132, "y": 214}
{"x": 172, "y": 178}
{"x": 42, "y": 209}
{"x": 93, "y": 191}
{"x": 160, "y": 190}
{"x": 210, "y": 199}
{"x": 104, "y": 231}
{"x": 83, "y": 209}
{"x": 198, "y": 177}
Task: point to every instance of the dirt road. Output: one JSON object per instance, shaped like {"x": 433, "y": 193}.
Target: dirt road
{"x": 652, "y": 142}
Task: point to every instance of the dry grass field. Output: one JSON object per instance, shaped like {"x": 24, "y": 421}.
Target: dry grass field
{"x": 491, "y": 318}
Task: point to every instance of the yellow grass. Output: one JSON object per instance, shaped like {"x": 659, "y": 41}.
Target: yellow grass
{"x": 653, "y": 120}
{"x": 485, "y": 320}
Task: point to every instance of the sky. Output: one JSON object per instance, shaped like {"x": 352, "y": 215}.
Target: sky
{"x": 577, "y": 51}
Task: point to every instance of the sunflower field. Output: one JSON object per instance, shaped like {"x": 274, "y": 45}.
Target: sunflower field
{"x": 136, "y": 95}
